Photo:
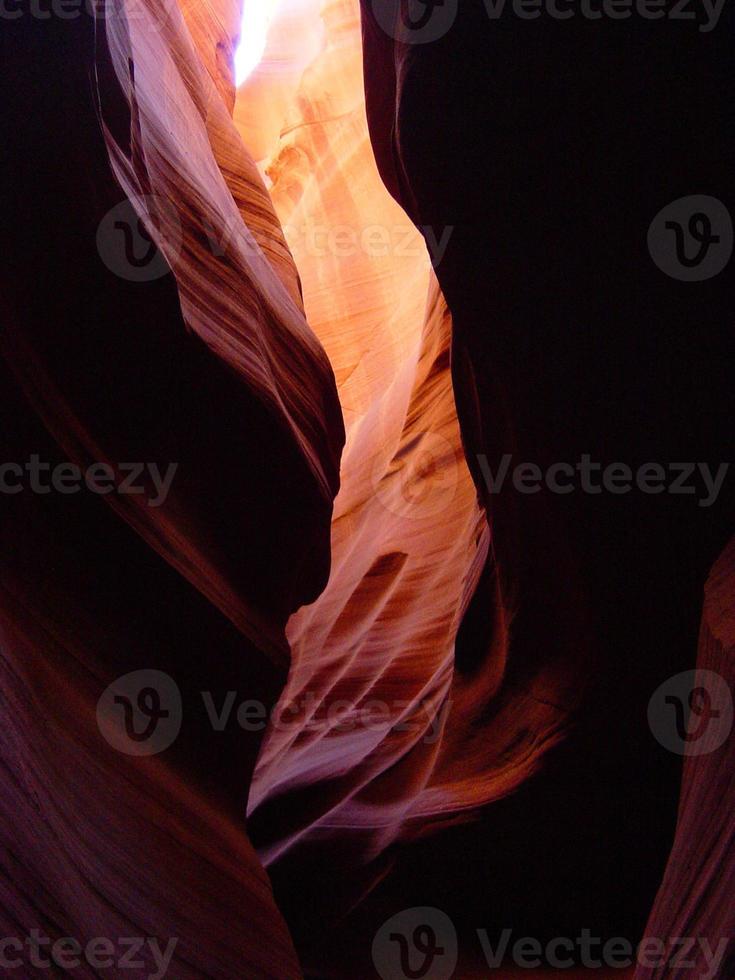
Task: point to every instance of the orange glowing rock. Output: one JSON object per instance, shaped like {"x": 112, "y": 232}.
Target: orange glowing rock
{"x": 409, "y": 538}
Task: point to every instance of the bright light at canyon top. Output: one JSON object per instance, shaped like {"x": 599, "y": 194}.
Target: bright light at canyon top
{"x": 256, "y": 18}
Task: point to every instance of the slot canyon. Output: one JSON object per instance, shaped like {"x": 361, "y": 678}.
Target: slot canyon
{"x": 396, "y": 611}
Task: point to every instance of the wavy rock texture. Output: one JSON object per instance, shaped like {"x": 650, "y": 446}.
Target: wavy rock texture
{"x": 214, "y": 27}
{"x": 407, "y": 523}
{"x": 695, "y": 898}
{"x": 378, "y": 740}
{"x": 214, "y": 368}
{"x": 323, "y": 547}
{"x": 550, "y": 145}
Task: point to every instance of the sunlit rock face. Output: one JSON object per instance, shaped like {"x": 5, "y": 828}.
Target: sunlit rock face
{"x": 542, "y": 144}
{"x": 294, "y": 39}
{"x": 187, "y": 368}
{"x": 254, "y": 394}
{"x": 214, "y": 26}
{"x": 366, "y": 645}
{"x": 327, "y": 534}
{"x": 372, "y": 709}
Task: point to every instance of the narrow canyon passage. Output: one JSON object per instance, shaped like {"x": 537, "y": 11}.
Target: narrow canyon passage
{"x": 331, "y": 284}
